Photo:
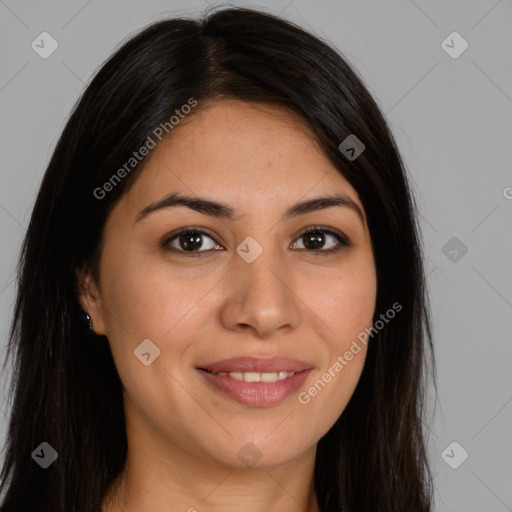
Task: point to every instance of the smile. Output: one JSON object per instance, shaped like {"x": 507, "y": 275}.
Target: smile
{"x": 254, "y": 381}
{"x": 254, "y": 376}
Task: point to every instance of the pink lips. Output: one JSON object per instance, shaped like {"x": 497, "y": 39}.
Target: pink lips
{"x": 256, "y": 393}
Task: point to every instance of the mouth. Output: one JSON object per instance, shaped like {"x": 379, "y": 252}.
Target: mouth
{"x": 255, "y": 382}
{"x": 253, "y": 376}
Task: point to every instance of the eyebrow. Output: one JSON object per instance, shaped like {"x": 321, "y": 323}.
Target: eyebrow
{"x": 216, "y": 209}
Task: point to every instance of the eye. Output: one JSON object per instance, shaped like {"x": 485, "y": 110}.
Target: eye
{"x": 316, "y": 237}
{"x": 189, "y": 240}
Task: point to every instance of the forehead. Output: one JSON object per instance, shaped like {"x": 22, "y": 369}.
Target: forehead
{"x": 237, "y": 132}
{"x": 240, "y": 151}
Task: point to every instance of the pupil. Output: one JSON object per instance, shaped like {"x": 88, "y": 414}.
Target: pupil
{"x": 191, "y": 241}
{"x": 315, "y": 239}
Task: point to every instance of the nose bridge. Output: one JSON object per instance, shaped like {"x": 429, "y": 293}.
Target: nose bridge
{"x": 261, "y": 277}
{"x": 260, "y": 290}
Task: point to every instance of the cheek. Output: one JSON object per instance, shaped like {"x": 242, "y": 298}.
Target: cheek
{"x": 346, "y": 304}
{"x": 349, "y": 309}
{"x": 152, "y": 300}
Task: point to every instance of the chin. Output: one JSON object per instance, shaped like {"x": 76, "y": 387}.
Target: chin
{"x": 259, "y": 454}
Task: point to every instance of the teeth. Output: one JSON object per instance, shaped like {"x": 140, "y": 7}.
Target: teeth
{"x": 251, "y": 377}
{"x": 257, "y": 377}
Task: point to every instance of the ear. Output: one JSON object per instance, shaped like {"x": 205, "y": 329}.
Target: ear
{"x": 89, "y": 298}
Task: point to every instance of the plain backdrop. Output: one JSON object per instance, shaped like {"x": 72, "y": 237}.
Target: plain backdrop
{"x": 451, "y": 114}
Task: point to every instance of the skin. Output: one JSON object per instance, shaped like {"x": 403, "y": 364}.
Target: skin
{"x": 184, "y": 435}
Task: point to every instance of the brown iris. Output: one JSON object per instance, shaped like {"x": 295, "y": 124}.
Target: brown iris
{"x": 191, "y": 241}
{"x": 314, "y": 240}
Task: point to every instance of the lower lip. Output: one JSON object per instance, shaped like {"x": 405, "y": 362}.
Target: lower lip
{"x": 257, "y": 394}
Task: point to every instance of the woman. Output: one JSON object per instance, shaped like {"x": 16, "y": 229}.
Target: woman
{"x": 228, "y": 208}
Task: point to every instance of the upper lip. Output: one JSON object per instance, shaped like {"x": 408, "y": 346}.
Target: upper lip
{"x": 258, "y": 365}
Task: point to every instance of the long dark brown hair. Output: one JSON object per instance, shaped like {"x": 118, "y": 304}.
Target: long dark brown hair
{"x": 65, "y": 387}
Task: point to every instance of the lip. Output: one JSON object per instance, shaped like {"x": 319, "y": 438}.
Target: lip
{"x": 256, "y": 394}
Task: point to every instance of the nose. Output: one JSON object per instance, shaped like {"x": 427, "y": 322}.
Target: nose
{"x": 260, "y": 296}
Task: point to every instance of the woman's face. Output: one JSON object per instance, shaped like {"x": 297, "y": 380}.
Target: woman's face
{"x": 248, "y": 286}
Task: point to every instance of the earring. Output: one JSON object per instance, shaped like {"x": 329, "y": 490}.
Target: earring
{"x": 89, "y": 322}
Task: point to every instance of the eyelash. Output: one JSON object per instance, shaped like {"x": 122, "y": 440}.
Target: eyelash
{"x": 343, "y": 241}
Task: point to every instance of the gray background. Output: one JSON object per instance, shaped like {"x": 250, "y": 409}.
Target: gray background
{"x": 453, "y": 122}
